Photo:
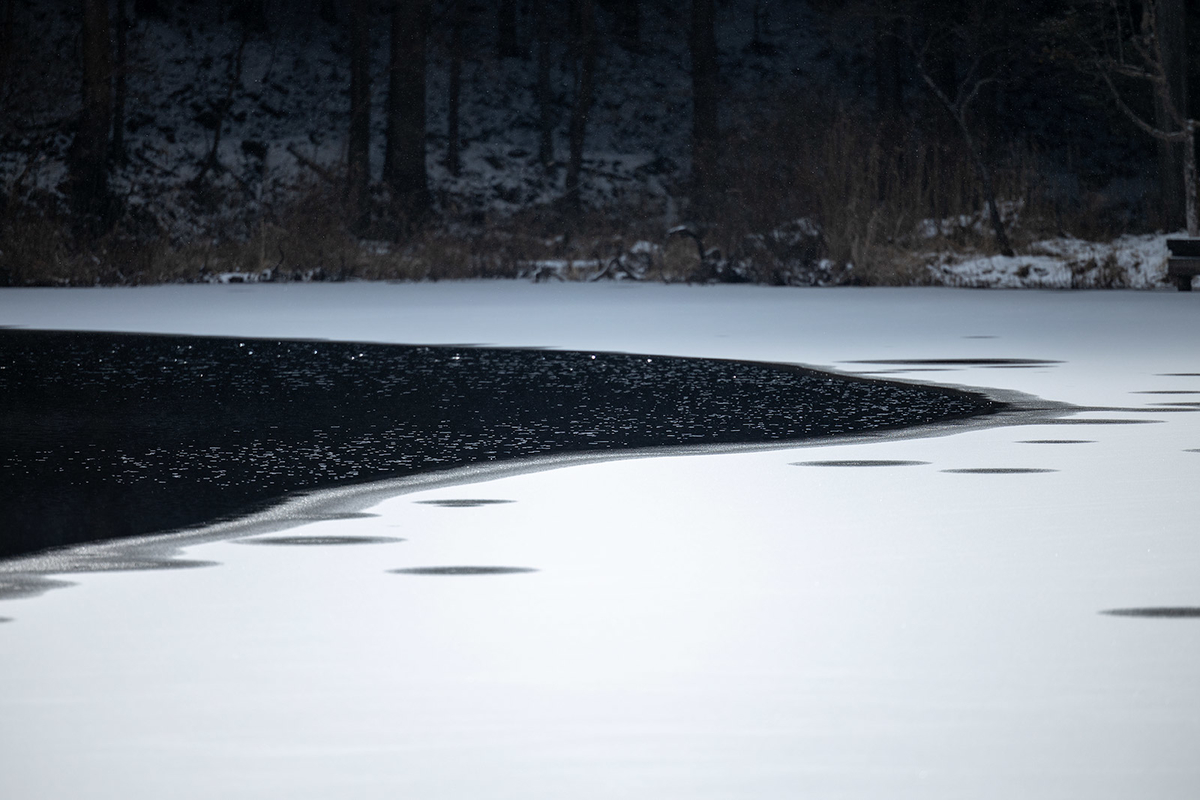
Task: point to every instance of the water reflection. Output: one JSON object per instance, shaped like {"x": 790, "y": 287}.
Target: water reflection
{"x": 113, "y": 435}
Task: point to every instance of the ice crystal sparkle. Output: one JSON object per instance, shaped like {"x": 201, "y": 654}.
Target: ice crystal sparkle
{"x": 117, "y": 434}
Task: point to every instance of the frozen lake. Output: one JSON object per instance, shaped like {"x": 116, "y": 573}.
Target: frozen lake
{"x": 902, "y": 617}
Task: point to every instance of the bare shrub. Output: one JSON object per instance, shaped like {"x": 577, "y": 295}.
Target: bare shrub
{"x": 881, "y": 193}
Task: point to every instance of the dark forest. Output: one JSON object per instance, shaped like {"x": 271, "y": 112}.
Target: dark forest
{"x": 771, "y": 141}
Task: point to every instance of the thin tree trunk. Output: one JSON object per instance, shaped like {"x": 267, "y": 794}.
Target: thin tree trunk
{"x": 985, "y": 178}
{"x": 1170, "y": 33}
{"x": 6, "y": 40}
{"x": 89, "y": 150}
{"x": 889, "y": 76}
{"x": 120, "y": 84}
{"x": 545, "y": 97}
{"x": 506, "y": 29}
{"x": 585, "y": 48}
{"x": 457, "y": 11}
{"x": 702, "y": 44}
{"x": 235, "y": 78}
{"x": 404, "y": 161}
{"x": 627, "y": 19}
{"x": 358, "y": 151}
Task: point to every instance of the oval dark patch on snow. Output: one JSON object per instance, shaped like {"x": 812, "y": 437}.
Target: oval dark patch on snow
{"x": 1057, "y": 441}
{"x": 1157, "y": 612}
{"x": 1178, "y": 375}
{"x": 320, "y": 540}
{"x": 465, "y": 503}
{"x": 5, "y": 619}
{"x": 462, "y": 570}
{"x": 999, "y": 470}
{"x": 1168, "y": 391}
{"x": 958, "y": 362}
{"x": 865, "y": 462}
{"x": 1100, "y": 422}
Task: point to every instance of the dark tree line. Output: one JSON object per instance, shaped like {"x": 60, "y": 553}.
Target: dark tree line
{"x": 956, "y": 58}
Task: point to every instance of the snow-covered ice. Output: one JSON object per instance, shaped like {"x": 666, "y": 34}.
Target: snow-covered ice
{"x": 721, "y": 625}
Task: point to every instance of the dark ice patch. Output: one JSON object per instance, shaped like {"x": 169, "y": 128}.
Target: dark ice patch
{"x": 1156, "y": 612}
{"x": 958, "y": 362}
{"x": 27, "y": 585}
{"x": 1168, "y": 391}
{"x": 863, "y": 462}
{"x": 1098, "y": 421}
{"x": 463, "y": 503}
{"x": 319, "y": 540}
{"x": 1057, "y": 441}
{"x": 461, "y": 570}
{"x": 999, "y": 470}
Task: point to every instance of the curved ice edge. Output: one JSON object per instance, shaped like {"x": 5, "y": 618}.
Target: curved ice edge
{"x": 26, "y": 576}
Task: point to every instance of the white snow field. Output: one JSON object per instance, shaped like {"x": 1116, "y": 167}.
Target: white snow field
{"x": 717, "y": 625}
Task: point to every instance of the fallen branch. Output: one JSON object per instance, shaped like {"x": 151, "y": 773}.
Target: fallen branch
{"x": 314, "y": 166}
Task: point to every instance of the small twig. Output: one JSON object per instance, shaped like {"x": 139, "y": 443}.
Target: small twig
{"x": 155, "y": 164}
{"x": 314, "y": 166}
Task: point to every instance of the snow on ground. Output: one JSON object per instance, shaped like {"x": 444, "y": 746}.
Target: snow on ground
{"x": 699, "y": 626}
{"x": 1136, "y": 262}
{"x": 182, "y": 68}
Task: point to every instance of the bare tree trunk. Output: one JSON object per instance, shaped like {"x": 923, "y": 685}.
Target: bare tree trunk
{"x": 457, "y": 11}
{"x": 89, "y": 150}
{"x": 627, "y": 18}
{"x": 957, "y": 109}
{"x": 1172, "y": 44}
{"x": 404, "y": 160}
{"x": 545, "y": 97}
{"x": 585, "y": 52}
{"x": 1189, "y": 180}
{"x": 1152, "y": 57}
{"x": 120, "y": 84}
{"x": 702, "y": 44}
{"x": 6, "y": 39}
{"x": 889, "y": 74}
{"x": 358, "y": 151}
{"x": 213, "y": 162}
{"x": 506, "y": 29}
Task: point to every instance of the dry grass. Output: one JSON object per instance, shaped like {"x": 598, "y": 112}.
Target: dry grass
{"x": 869, "y": 187}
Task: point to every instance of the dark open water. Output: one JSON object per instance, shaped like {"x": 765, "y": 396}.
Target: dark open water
{"x": 106, "y": 435}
